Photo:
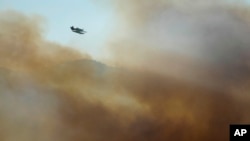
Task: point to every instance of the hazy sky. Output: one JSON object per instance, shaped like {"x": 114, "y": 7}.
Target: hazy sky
{"x": 59, "y": 15}
{"x": 98, "y": 20}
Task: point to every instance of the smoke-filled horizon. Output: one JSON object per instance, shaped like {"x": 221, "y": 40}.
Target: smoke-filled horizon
{"x": 183, "y": 76}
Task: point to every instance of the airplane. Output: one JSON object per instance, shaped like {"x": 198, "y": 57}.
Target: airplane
{"x": 77, "y": 30}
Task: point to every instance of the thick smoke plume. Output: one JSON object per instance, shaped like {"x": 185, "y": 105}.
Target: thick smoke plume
{"x": 184, "y": 77}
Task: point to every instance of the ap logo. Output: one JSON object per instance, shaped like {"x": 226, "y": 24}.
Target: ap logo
{"x": 239, "y": 132}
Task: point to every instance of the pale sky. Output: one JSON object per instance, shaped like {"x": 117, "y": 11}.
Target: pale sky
{"x": 96, "y": 19}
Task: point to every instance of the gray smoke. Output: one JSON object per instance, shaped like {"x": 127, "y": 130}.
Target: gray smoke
{"x": 184, "y": 76}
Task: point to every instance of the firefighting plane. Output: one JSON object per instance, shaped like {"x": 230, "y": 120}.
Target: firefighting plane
{"x": 77, "y": 30}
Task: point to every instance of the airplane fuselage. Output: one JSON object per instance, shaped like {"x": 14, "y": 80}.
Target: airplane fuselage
{"x": 77, "y": 30}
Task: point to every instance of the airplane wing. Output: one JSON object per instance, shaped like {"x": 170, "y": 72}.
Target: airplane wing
{"x": 79, "y": 32}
